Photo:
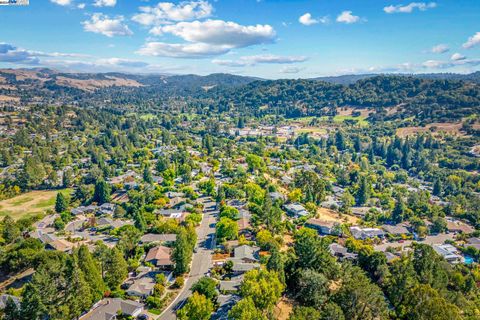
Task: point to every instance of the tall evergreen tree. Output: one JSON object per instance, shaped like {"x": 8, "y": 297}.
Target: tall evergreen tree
{"x": 61, "y": 203}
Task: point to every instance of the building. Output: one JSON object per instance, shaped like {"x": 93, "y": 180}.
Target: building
{"x": 323, "y": 227}
{"x": 456, "y": 226}
{"x": 152, "y": 237}
{"x": 159, "y": 256}
{"x": 366, "y": 233}
{"x": 244, "y": 259}
{"x": 108, "y": 309}
{"x": 339, "y": 251}
{"x": 473, "y": 242}
{"x": 296, "y": 210}
{"x": 448, "y": 252}
{"x": 142, "y": 286}
{"x": 396, "y": 230}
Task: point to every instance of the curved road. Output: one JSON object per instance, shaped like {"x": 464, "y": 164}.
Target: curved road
{"x": 201, "y": 260}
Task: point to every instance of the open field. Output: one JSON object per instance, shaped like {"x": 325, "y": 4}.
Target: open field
{"x": 29, "y": 203}
{"x": 450, "y": 128}
{"x": 330, "y": 215}
{"x": 348, "y": 111}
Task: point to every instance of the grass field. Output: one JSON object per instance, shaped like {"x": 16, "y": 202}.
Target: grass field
{"x": 30, "y": 203}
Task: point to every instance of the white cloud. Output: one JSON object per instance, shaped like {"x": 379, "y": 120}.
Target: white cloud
{"x": 347, "y": 17}
{"x": 222, "y": 33}
{"x": 81, "y": 6}
{"x": 457, "y": 57}
{"x": 472, "y": 41}
{"x": 260, "y": 59}
{"x": 62, "y": 2}
{"x": 436, "y": 64}
{"x": 441, "y": 48}
{"x": 100, "y": 23}
{"x": 11, "y": 54}
{"x": 105, "y": 3}
{"x": 307, "y": 19}
{"x": 290, "y": 70}
{"x": 422, "y": 6}
{"x": 167, "y": 12}
{"x": 179, "y": 50}
{"x": 122, "y": 62}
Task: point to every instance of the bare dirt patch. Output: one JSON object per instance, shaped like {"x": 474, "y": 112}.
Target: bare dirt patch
{"x": 9, "y": 98}
{"x": 443, "y": 127}
{"x": 330, "y": 215}
{"x": 348, "y": 111}
{"x": 283, "y": 309}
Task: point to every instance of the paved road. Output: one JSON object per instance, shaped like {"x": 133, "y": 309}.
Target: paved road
{"x": 201, "y": 261}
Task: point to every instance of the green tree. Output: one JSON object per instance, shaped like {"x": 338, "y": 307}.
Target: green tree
{"x": 91, "y": 272}
{"x": 198, "y": 307}
{"x": 32, "y": 307}
{"x": 182, "y": 252}
{"x": 10, "y": 230}
{"x": 305, "y": 313}
{"x": 227, "y": 229}
{"x": 364, "y": 191}
{"x": 61, "y": 203}
{"x": 312, "y": 288}
{"x": 264, "y": 287}
{"x": 147, "y": 175}
{"x": 245, "y": 309}
{"x": 102, "y": 192}
{"x": 206, "y": 286}
{"x": 11, "y": 311}
{"x": 116, "y": 269}
{"x": 424, "y": 302}
{"x": 78, "y": 293}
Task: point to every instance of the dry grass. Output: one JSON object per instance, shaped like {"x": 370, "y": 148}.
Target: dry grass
{"x": 9, "y": 98}
{"x": 283, "y": 309}
{"x": 30, "y": 203}
{"x": 348, "y": 111}
{"x": 443, "y": 127}
{"x": 93, "y": 84}
{"x": 330, "y": 215}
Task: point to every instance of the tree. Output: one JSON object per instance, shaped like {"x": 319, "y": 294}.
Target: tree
{"x": 364, "y": 191}
{"x": 275, "y": 263}
{"x": 182, "y": 252}
{"x": 399, "y": 211}
{"x": 312, "y": 288}
{"x": 424, "y": 302}
{"x": 206, "y": 286}
{"x": 305, "y": 313}
{"x": 264, "y": 287}
{"x": 78, "y": 293}
{"x": 10, "y": 230}
{"x": 255, "y": 163}
{"x": 437, "y": 187}
{"x": 102, "y": 192}
{"x": 227, "y": 229}
{"x": 245, "y": 309}
{"x": 61, "y": 203}
{"x": 332, "y": 311}
{"x": 91, "y": 272}
{"x": 198, "y": 307}
{"x": 359, "y": 298}
{"x": 116, "y": 269}
{"x": 32, "y": 307}
{"x": 10, "y": 310}
{"x": 312, "y": 186}
{"x": 439, "y": 225}
{"x": 147, "y": 175}
{"x": 229, "y": 212}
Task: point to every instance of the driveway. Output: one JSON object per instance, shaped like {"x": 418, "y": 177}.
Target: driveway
{"x": 201, "y": 260}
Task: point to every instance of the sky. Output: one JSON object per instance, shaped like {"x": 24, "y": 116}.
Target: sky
{"x": 263, "y": 38}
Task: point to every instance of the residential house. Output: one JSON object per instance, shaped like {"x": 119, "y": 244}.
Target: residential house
{"x": 142, "y": 286}
{"x": 152, "y": 237}
{"x": 160, "y": 256}
{"x": 448, "y": 252}
{"x": 60, "y": 245}
{"x": 473, "y": 242}
{"x": 296, "y": 210}
{"x": 457, "y": 226}
{"x": 108, "y": 309}
{"x": 339, "y": 251}
{"x": 277, "y": 196}
{"x": 323, "y": 227}
{"x": 396, "y": 230}
{"x": 366, "y": 233}
{"x": 244, "y": 259}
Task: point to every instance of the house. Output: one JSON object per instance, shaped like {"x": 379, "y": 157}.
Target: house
{"x": 457, "y": 226}
{"x": 473, "y": 242}
{"x": 339, "y": 251}
{"x": 107, "y": 208}
{"x": 244, "y": 259}
{"x": 142, "y": 286}
{"x": 159, "y": 256}
{"x": 396, "y": 230}
{"x": 108, "y": 309}
{"x": 172, "y": 194}
{"x": 60, "y": 245}
{"x": 296, "y": 210}
{"x": 366, "y": 233}
{"x": 231, "y": 285}
{"x": 362, "y": 211}
{"x": 112, "y": 223}
{"x": 4, "y": 299}
{"x": 330, "y": 202}
{"x": 244, "y": 225}
{"x": 152, "y": 237}
{"x": 322, "y": 227}
{"x": 277, "y": 196}
{"x": 448, "y": 252}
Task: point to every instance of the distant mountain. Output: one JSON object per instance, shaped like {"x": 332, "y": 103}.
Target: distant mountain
{"x": 352, "y": 78}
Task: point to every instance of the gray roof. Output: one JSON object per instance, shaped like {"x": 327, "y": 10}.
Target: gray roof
{"x": 244, "y": 252}
{"x": 107, "y": 309}
{"x": 396, "y": 229}
{"x": 152, "y": 237}
{"x": 231, "y": 285}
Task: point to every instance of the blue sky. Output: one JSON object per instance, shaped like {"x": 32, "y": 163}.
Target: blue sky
{"x": 265, "y": 38}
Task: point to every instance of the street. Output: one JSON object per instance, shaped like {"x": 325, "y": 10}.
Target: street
{"x": 201, "y": 260}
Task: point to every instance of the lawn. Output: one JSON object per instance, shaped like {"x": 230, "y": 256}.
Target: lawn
{"x": 30, "y": 203}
